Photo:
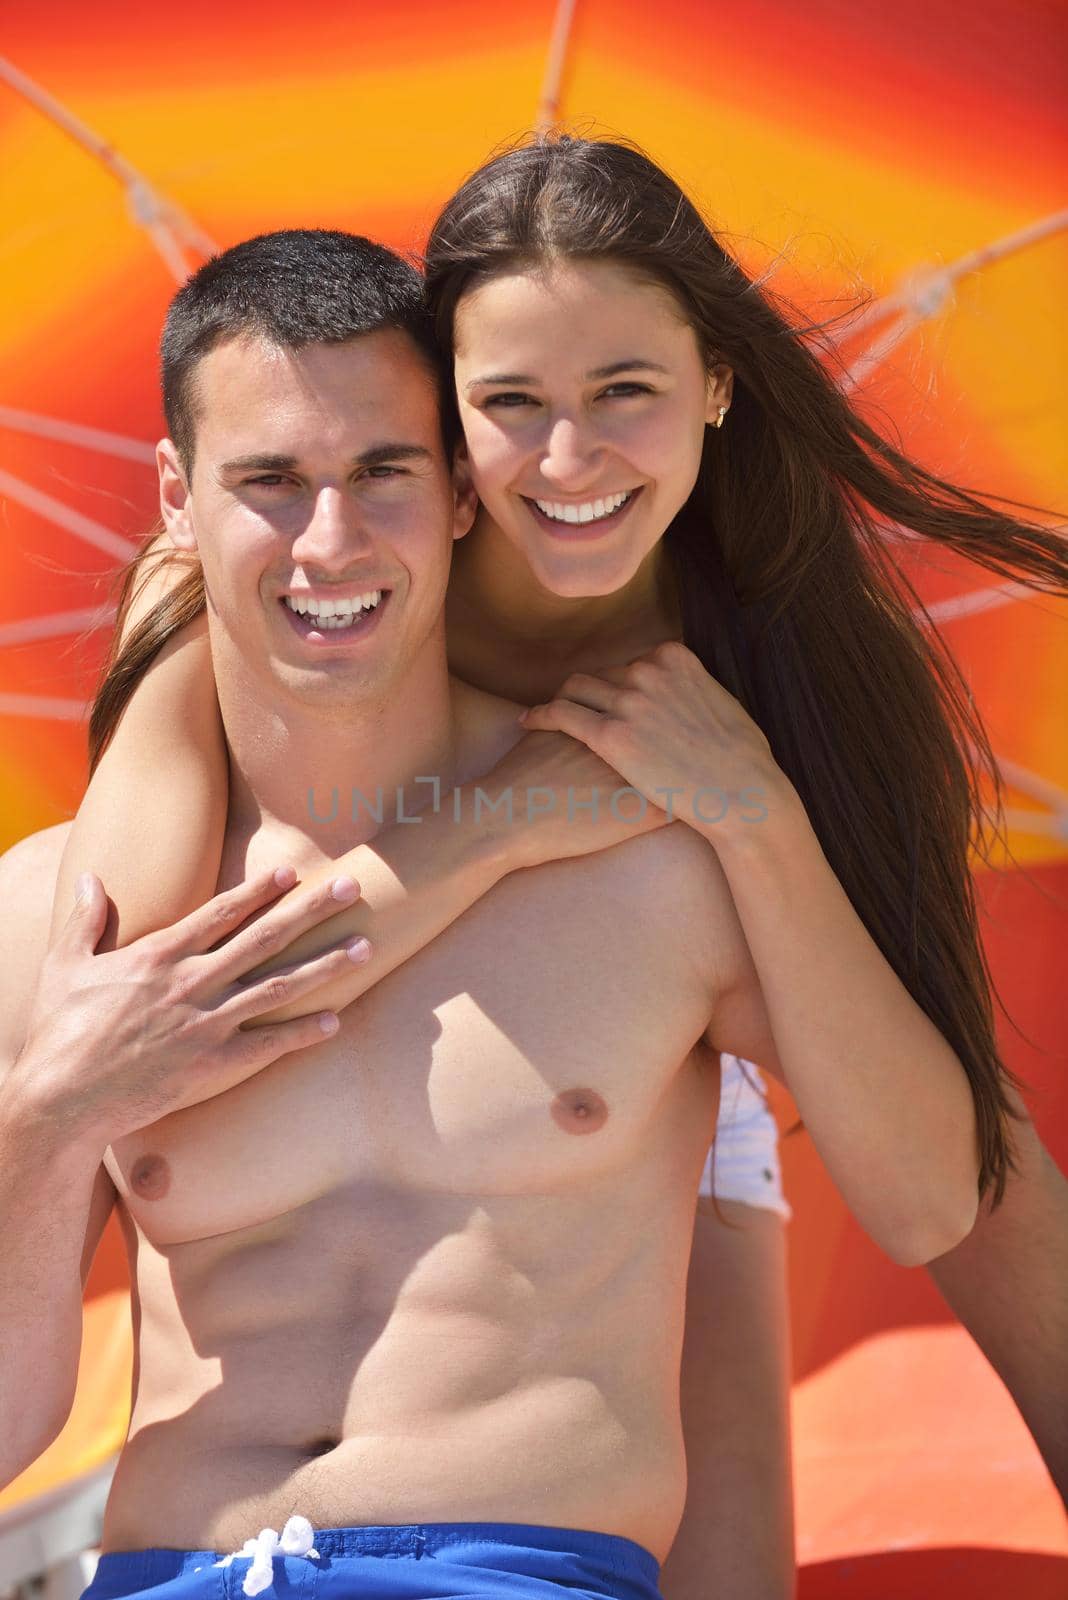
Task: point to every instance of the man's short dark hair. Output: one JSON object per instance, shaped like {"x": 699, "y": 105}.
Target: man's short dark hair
{"x": 296, "y": 287}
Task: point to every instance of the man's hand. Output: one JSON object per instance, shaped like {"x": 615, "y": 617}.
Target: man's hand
{"x": 118, "y": 1040}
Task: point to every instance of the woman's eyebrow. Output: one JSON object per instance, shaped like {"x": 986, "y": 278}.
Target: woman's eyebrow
{"x": 597, "y": 373}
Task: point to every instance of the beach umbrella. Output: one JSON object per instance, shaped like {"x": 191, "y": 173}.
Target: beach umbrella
{"x": 915, "y": 154}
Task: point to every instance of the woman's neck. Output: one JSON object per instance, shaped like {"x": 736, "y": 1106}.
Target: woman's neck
{"x": 492, "y": 588}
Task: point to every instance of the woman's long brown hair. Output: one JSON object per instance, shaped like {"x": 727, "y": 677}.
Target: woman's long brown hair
{"x": 787, "y": 587}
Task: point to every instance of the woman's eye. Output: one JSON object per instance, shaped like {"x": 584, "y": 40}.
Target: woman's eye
{"x": 628, "y": 389}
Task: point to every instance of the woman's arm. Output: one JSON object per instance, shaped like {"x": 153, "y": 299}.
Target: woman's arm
{"x": 736, "y": 1537}
{"x": 813, "y": 999}
{"x": 886, "y": 1100}
{"x": 152, "y": 821}
{"x": 1008, "y": 1284}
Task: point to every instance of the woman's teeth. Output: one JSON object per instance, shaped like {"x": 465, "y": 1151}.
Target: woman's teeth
{"x": 592, "y": 511}
{"x": 334, "y": 613}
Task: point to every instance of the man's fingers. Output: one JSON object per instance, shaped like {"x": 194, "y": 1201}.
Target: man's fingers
{"x": 255, "y": 1048}
{"x": 276, "y": 989}
{"x": 88, "y": 914}
{"x": 277, "y": 929}
{"x": 197, "y": 933}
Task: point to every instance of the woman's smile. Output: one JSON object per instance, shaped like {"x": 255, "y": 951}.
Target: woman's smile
{"x": 587, "y": 519}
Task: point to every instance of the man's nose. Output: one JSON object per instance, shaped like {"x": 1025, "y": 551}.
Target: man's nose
{"x": 334, "y": 533}
{"x": 572, "y": 454}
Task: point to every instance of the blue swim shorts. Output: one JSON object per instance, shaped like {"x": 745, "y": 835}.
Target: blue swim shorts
{"x": 424, "y": 1561}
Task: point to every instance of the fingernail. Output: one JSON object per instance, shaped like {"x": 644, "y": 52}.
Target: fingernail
{"x": 83, "y": 885}
{"x": 522, "y": 717}
{"x": 328, "y": 1021}
{"x": 358, "y": 950}
{"x": 343, "y": 888}
{"x": 285, "y": 877}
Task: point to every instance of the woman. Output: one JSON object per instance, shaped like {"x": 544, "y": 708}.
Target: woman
{"x": 755, "y": 541}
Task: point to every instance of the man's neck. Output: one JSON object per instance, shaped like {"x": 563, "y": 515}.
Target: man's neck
{"x": 324, "y": 769}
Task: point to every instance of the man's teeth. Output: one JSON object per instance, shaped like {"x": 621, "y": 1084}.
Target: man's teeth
{"x": 334, "y": 613}
{"x": 590, "y": 512}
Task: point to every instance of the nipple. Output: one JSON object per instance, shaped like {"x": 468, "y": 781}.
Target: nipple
{"x": 150, "y": 1176}
{"x": 579, "y": 1111}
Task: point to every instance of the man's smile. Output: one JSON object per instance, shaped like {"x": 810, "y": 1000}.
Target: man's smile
{"x": 336, "y": 620}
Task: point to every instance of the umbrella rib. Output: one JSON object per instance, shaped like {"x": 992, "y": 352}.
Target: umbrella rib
{"x": 925, "y": 291}
{"x": 967, "y": 605}
{"x": 549, "y": 103}
{"x": 98, "y": 439}
{"x": 64, "y": 516}
{"x": 1051, "y": 825}
{"x": 170, "y": 228}
{"x": 1033, "y": 784}
{"x": 54, "y": 625}
{"x": 50, "y": 708}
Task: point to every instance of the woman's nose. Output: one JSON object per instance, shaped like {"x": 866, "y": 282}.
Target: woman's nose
{"x": 571, "y": 455}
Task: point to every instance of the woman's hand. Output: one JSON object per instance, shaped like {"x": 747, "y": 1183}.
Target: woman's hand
{"x": 676, "y": 735}
{"x": 562, "y": 800}
{"x": 116, "y": 1041}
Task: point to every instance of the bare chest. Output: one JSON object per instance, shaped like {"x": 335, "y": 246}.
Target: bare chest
{"x": 539, "y": 1044}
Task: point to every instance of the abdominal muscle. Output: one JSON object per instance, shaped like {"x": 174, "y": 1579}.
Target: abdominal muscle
{"x": 377, "y": 1357}
{"x": 434, "y": 1269}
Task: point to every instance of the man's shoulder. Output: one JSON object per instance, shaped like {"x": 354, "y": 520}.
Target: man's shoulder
{"x": 28, "y": 868}
{"x": 28, "y": 872}
{"x": 487, "y": 727}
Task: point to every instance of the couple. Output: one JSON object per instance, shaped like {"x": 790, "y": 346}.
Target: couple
{"x": 424, "y": 1285}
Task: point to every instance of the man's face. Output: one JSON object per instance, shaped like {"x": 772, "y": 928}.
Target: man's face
{"x": 319, "y": 477}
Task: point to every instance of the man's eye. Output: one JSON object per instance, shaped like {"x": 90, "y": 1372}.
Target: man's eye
{"x": 269, "y": 480}
{"x": 386, "y": 472}
{"x": 510, "y": 401}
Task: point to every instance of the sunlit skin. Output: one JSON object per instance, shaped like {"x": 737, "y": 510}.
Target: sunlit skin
{"x": 319, "y": 472}
{"x": 576, "y": 382}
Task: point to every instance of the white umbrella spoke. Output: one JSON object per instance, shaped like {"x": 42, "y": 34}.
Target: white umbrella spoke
{"x": 46, "y": 708}
{"x": 64, "y": 516}
{"x": 76, "y": 433}
{"x": 55, "y": 625}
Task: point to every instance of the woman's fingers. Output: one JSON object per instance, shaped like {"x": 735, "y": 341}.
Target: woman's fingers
{"x": 599, "y": 693}
{"x": 260, "y": 995}
{"x": 565, "y": 717}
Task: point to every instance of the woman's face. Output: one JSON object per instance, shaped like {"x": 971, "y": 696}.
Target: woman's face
{"x": 584, "y": 399}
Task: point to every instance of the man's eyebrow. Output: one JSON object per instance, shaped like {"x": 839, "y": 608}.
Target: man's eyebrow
{"x": 376, "y": 456}
{"x": 594, "y": 376}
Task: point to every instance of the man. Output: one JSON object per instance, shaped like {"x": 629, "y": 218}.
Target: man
{"x": 421, "y": 1285}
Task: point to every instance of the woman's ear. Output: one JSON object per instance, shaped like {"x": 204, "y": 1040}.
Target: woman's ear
{"x": 465, "y": 500}
{"x": 719, "y": 388}
{"x": 174, "y": 499}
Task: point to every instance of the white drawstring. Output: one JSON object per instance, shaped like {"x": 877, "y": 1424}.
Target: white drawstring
{"x": 296, "y": 1539}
